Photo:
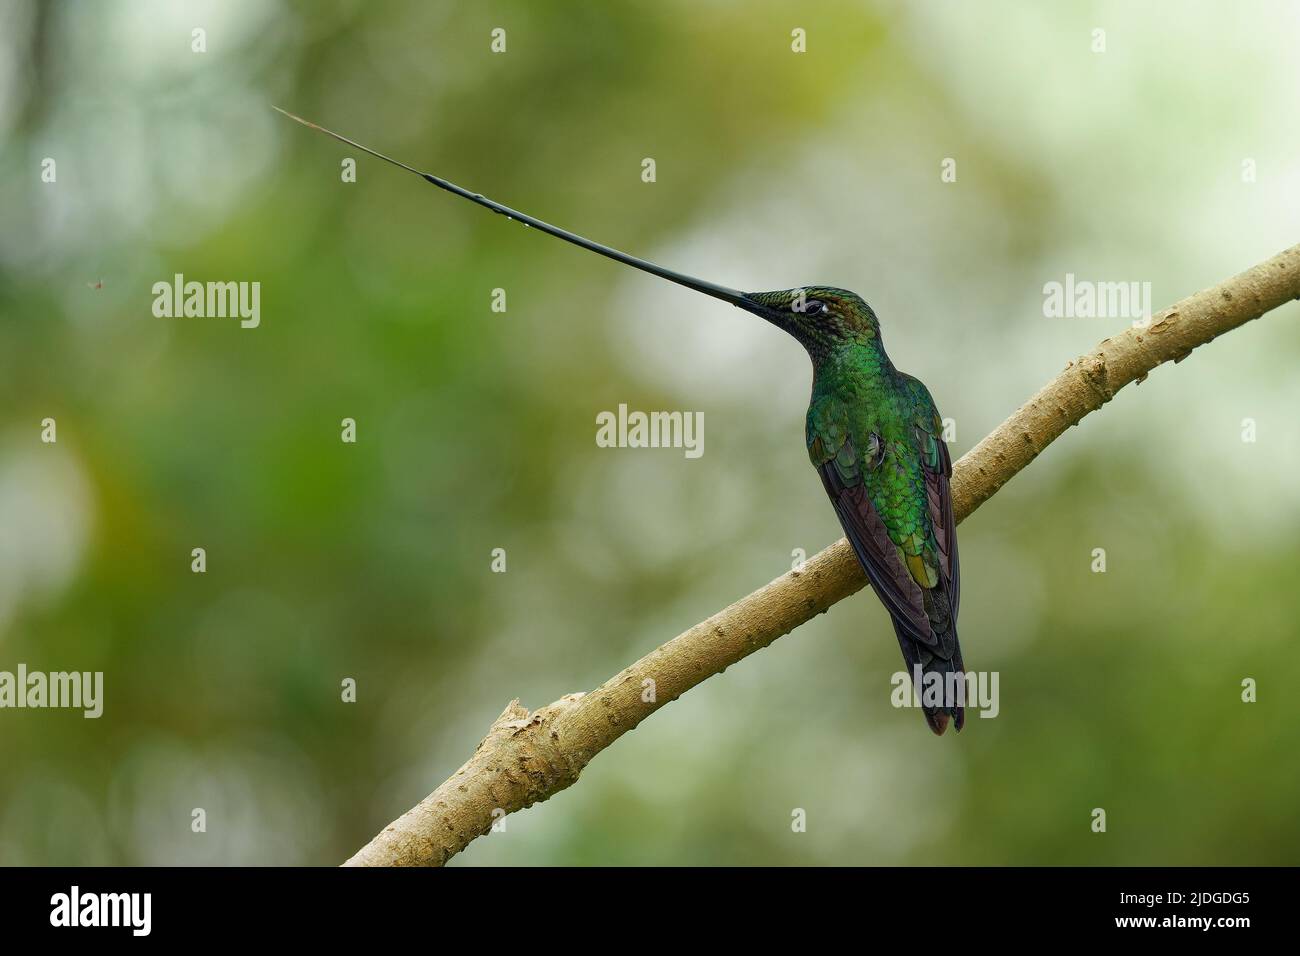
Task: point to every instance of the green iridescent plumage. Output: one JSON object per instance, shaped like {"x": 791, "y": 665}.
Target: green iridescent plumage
{"x": 876, "y": 438}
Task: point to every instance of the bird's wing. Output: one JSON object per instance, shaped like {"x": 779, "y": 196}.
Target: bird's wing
{"x": 844, "y": 468}
{"x": 936, "y": 467}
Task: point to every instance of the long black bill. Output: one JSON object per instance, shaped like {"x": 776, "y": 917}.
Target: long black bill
{"x": 738, "y": 299}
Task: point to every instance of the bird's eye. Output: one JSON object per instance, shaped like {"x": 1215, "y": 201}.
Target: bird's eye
{"x": 812, "y": 307}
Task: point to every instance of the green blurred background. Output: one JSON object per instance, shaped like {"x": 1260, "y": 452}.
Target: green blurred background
{"x": 476, "y": 429}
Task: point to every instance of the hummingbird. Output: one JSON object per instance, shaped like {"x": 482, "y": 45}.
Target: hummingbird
{"x": 875, "y": 437}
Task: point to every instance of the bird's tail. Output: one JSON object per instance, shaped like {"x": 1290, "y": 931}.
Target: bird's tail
{"x": 951, "y": 690}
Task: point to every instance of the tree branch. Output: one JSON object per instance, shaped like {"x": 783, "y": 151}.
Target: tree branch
{"x": 526, "y": 757}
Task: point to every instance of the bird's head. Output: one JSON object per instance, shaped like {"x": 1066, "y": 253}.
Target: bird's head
{"x": 820, "y": 317}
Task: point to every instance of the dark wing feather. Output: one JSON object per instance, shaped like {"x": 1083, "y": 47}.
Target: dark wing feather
{"x": 879, "y": 555}
{"x": 939, "y": 494}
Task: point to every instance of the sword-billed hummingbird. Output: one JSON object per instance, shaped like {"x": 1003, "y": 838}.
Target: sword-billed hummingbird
{"x": 875, "y": 438}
